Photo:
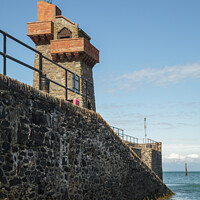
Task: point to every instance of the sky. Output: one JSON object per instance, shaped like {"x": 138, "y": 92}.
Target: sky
{"x": 149, "y": 66}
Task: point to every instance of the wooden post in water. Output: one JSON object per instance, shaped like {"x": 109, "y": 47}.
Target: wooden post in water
{"x": 186, "y": 169}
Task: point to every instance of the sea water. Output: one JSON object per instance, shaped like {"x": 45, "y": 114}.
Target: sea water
{"x": 184, "y": 187}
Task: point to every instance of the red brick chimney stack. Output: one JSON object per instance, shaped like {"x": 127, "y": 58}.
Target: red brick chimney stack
{"x": 47, "y": 11}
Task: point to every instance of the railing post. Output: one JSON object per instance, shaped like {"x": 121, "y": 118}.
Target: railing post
{"x": 86, "y": 95}
{"x": 66, "y": 85}
{"x": 4, "y": 51}
{"x": 40, "y": 68}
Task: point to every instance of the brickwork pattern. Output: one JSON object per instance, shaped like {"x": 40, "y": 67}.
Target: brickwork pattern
{"x": 37, "y": 28}
{"x": 50, "y": 149}
{"x": 74, "y": 45}
{"x": 47, "y": 11}
{"x": 80, "y": 48}
{"x": 40, "y": 32}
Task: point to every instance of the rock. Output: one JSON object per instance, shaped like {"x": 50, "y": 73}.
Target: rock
{"x": 7, "y": 167}
{"x": 22, "y": 138}
{"x": 6, "y": 147}
{"x": 1, "y": 159}
{"x": 5, "y": 124}
{"x": 2, "y": 112}
{"x": 15, "y": 181}
{"x": 1, "y": 173}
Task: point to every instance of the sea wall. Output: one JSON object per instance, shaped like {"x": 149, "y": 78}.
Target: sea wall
{"x": 51, "y": 149}
{"x": 151, "y": 155}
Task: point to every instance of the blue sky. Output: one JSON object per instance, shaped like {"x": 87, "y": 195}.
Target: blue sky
{"x": 149, "y": 66}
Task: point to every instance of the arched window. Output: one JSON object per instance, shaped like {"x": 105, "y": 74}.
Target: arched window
{"x": 64, "y": 33}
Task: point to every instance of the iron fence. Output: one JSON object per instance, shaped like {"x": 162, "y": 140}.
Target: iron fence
{"x": 40, "y": 70}
{"x": 138, "y": 142}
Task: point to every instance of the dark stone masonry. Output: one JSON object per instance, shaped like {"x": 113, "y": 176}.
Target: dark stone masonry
{"x": 51, "y": 149}
{"x": 151, "y": 156}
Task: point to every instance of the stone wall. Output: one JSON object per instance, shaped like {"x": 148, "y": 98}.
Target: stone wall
{"x": 157, "y": 163}
{"x": 57, "y": 74}
{"x": 151, "y": 156}
{"x": 62, "y": 22}
{"x": 51, "y": 149}
{"x": 75, "y": 54}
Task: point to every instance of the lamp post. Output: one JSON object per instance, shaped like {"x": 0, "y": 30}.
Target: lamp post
{"x": 145, "y": 127}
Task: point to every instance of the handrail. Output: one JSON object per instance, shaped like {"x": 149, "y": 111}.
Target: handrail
{"x": 18, "y": 41}
{"x": 40, "y": 71}
{"x": 133, "y": 140}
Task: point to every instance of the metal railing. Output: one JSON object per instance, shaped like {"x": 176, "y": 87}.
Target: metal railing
{"x": 88, "y": 84}
{"x": 120, "y": 132}
{"x": 138, "y": 142}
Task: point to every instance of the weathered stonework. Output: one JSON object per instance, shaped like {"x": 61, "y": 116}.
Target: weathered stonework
{"x": 74, "y": 52}
{"x": 151, "y": 155}
{"x": 62, "y": 22}
{"x": 52, "y": 149}
{"x": 57, "y": 74}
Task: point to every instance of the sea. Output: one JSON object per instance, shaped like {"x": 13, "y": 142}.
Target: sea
{"x": 184, "y": 187}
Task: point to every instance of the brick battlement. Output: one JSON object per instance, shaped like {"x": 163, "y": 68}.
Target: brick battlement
{"x": 40, "y": 31}
{"x": 79, "y": 47}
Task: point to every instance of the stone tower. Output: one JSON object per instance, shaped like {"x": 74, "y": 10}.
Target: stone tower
{"x": 62, "y": 41}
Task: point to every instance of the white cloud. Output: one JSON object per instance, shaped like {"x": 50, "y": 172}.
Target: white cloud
{"x": 183, "y": 149}
{"x": 160, "y": 76}
{"x": 174, "y": 157}
{"x": 193, "y": 156}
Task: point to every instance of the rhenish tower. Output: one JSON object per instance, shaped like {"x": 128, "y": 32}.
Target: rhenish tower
{"x": 62, "y": 41}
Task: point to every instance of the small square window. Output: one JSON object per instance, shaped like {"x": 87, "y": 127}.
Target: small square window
{"x": 75, "y": 82}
